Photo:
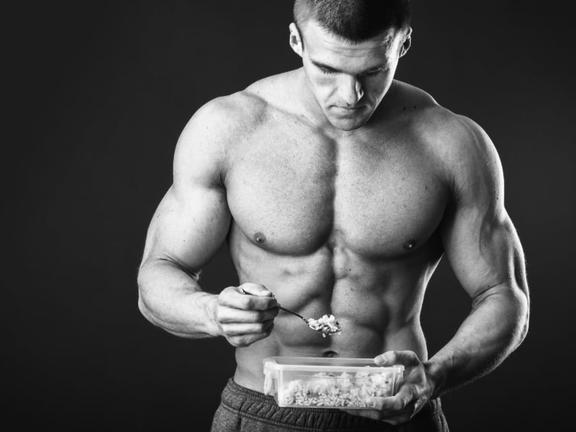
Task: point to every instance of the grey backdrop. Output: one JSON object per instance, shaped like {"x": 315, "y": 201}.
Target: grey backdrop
{"x": 99, "y": 92}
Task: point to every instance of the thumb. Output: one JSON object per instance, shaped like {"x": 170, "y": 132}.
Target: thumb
{"x": 255, "y": 289}
{"x": 386, "y": 359}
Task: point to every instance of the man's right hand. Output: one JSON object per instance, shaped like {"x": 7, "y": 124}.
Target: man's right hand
{"x": 245, "y": 313}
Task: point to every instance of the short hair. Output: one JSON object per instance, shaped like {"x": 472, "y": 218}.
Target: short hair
{"x": 354, "y": 20}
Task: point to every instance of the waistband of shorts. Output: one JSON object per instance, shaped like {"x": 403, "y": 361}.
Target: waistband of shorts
{"x": 251, "y": 403}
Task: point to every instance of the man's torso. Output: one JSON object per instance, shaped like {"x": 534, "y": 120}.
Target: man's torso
{"x": 346, "y": 224}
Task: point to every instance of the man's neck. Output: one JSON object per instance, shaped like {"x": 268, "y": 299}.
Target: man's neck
{"x": 308, "y": 103}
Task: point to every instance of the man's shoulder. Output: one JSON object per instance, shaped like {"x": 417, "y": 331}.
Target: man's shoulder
{"x": 423, "y": 113}
{"x": 436, "y": 124}
{"x": 215, "y": 127}
{"x": 455, "y": 141}
{"x": 231, "y": 113}
{"x": 246, "y": 109}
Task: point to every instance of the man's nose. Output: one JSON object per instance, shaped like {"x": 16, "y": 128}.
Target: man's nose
{"x": 351, "y": 90}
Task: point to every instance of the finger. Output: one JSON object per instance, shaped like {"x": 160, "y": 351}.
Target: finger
{"x": 247, "y": 339}
{"x": 235, "y": 299}
{"x": 401, "y": 416}
{"x": 228, "y": 315}
{"x": 406, "y": 396}
{"x": 396, "y": 420}
{"x": 246, "y": 328}
{"x": 390, "y": 358}
{"x": 255, "y": 289}
{"x": 371, "y": 414}
{"x": 418, "y": 404}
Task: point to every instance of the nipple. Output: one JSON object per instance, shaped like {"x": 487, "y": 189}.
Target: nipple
{"x": 409, "y": 245}
{"x": 259, "y": 238}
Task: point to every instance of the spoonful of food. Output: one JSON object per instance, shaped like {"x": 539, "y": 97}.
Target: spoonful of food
{"x": 326, "y": 324}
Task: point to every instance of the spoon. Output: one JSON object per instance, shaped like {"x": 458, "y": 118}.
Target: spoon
{"x": 306, "y": 320}
{"x": 283, "y": 308}
{"x": 318, "y": 325}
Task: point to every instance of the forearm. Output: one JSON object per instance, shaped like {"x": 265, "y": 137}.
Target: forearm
{"x": 174, "y": 301}
{"x": 495, "y": 327}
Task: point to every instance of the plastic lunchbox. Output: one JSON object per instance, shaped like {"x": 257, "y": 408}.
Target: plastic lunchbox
{"x": 318, "y": 382}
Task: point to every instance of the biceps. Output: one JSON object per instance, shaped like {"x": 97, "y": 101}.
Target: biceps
{"x": 483, "y": 250}
{"x": 188, "y": 230}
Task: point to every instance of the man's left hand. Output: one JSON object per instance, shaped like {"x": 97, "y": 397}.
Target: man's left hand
{"x": 415, "y": 389}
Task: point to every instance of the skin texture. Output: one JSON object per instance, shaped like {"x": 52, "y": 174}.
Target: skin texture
{"x": 342, "y": 211}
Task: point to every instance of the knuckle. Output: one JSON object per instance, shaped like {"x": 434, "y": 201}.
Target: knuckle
{"x": 221, "y": 298}
{"x": 244, "y": 302}
{"x": 250, "y": 303}
{"x": 225, "y": 295}
{"x": 220, "y": 313}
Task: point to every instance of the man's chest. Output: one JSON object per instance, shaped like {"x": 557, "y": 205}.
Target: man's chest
{"x": 293, "y": 196}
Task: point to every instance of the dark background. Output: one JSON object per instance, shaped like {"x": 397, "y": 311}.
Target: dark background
{"x": 99, "y": 92}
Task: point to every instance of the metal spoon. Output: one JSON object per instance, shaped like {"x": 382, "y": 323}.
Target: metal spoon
{"x": 283, "y": 308}
{"x": 309, "y": 321}
{"x": 306, "y": 320}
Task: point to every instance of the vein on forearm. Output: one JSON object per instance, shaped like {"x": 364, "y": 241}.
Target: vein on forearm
{"x": 493, "y": 329}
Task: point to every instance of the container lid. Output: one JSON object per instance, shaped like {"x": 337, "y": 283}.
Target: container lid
{"x": 325, "y": 363}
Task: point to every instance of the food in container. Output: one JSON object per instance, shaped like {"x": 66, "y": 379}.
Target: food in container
{"x": 318, "y": 382}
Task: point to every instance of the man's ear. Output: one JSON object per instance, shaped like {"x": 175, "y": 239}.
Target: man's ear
{"x": 407, "y": 42}
{"x": 295, "y": 39}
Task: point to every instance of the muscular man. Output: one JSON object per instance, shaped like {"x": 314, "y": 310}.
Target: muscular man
{"x": 338, "y": 190}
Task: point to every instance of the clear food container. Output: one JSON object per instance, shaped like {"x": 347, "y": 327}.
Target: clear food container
{"x": 318, "y": 382}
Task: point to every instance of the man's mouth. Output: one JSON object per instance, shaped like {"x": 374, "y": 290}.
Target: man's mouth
{"x": 347, "y": 110}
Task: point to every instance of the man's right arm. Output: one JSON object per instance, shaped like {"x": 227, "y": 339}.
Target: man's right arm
{"x": 187, "y": 229}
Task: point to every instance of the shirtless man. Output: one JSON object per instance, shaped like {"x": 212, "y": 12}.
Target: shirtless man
{"x": 338, "y": 190}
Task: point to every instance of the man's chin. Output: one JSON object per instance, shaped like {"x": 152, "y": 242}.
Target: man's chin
{"x": 348, "y": 123}
{"x": 348, "y": 120}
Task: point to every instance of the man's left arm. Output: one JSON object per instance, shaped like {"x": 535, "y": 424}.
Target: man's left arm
{"x": 484, "y": 250}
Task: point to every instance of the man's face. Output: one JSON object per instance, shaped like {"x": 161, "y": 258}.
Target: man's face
{"x": 348, "y": 80}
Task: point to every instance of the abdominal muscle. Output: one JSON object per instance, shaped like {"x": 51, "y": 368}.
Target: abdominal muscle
{"x": 377, "y": 306}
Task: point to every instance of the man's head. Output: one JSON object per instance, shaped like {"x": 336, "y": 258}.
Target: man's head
{"x": 350, "y": 51}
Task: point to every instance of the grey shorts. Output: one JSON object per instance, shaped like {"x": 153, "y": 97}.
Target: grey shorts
{"x": 246, "y": 410}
